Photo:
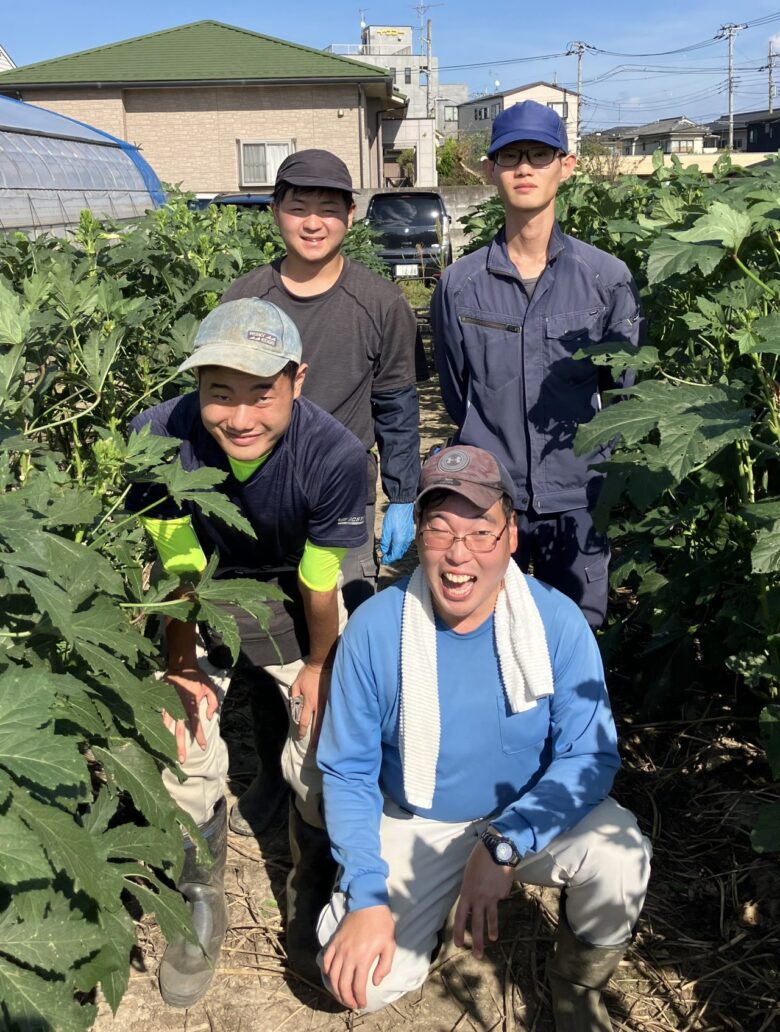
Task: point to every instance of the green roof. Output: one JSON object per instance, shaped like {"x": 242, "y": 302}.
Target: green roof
{"x": 204, "y": 51}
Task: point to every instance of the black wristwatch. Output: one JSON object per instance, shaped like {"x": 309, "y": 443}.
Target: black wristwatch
{"x": 501, "y": 849}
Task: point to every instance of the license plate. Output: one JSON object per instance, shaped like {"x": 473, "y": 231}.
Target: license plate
{"x": 407, "y": 270}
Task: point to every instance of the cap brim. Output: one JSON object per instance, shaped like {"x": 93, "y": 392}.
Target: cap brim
{"x": 483, "y": 497}
{"x": 317, "y": 183}
{"x": 243, "y": 359}
{"x": 517, "y": 135}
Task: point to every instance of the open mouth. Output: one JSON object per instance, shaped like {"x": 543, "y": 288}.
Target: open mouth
{"x": 456, "y": 586}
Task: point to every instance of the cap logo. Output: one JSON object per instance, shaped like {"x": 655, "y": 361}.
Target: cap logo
{"x": 453, "y": 462}
{"x": 262, "y": 337}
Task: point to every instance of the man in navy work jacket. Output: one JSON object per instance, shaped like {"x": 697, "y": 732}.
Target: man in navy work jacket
{"x": 299, "y": 478}
{"x": 468, "y": 743}
{"x": 507, "y": 321}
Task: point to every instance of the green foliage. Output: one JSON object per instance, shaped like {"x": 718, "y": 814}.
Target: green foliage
{"x": 692, "y": 491}
{"x": 91, "y": 332}
{"x": 452, "y": 164}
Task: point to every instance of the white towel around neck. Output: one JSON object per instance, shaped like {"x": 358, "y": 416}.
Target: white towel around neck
{"x": 523, "y": 662}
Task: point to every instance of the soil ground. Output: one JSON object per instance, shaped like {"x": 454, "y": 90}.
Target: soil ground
{"x": 707, "y": 949}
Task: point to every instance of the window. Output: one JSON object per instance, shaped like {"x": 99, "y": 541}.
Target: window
{"x": 559, "y": 107}
{"x": 682, "y": 147}
{"x": 393, "y": 72}
{"x": 450, "y": 113}
{"x": 752, "y": 136}
{"x": 495, "y": 110}
{"x": 480, "y": 113}
{"x": 260, "y": 160}
{"x": 408, "y": 76}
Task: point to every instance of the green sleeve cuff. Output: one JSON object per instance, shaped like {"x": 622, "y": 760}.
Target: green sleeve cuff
{"x": 176, "y": 544}
{"x": 319, "y": 567}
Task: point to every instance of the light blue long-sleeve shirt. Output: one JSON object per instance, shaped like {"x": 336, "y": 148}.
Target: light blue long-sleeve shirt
{"x": 539, "y": 772}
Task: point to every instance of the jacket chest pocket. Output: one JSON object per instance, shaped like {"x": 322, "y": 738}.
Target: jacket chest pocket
{"x": 567, "y": 333}
{"x": 493, "y": 346}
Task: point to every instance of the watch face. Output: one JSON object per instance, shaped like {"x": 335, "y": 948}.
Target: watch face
{"x": 504, "y": 852}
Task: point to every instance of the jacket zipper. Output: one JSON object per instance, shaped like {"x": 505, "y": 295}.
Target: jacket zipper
{"x": 509, "y": 327}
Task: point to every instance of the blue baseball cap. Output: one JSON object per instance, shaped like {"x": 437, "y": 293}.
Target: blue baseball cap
{"x": 249, "y": 335}
{"x": 528, "y": 121}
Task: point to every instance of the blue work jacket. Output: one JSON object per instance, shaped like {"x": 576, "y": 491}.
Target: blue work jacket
{"x": 507, "y": 375}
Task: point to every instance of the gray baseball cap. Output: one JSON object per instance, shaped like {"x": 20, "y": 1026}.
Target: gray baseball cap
{"x": 464, "y": 470}
{"x": 249, "y": 335}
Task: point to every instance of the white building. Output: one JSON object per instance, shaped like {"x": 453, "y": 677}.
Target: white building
{"x": 431, "y": 107}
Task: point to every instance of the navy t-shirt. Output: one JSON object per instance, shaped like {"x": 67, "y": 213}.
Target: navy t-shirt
{"x": 312, "y": 486}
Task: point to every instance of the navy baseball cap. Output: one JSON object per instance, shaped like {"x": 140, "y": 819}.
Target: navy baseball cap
{"x": 528, "y": 121}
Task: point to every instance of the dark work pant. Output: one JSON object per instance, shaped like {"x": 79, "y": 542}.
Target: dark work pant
{"x": 568, "y": 553}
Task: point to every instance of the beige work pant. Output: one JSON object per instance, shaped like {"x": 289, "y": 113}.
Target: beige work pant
{"x": 603, "y": 862}
{"x": 206, "y": 769}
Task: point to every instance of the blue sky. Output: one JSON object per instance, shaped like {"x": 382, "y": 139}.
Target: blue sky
{"x": 490, "y": 34}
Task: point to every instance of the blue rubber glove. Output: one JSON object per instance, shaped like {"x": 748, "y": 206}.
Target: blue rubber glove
{"x": 397, "y": 531}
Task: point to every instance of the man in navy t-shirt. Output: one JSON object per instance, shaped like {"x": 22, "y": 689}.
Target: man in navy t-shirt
{"x": 299, "y": 478}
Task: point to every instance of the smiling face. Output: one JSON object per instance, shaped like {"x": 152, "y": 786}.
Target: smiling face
{"x": 465, "y": 585}
{"x": 313, "y": 223}
{"x": 247, "y": 414}
{"x": 524, "y": 189}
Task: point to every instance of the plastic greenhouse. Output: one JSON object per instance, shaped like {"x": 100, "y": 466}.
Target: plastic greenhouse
{"x": 53, "y": 167}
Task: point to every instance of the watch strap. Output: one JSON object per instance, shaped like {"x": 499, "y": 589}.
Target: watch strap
{"x": 502, "y": 850}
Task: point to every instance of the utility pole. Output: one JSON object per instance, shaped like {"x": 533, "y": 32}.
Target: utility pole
{"x": 770, "y": 58}
{"x": 728, "y": 32}
{"x": 578, "y": 48}
{"x": 428, "y": 111}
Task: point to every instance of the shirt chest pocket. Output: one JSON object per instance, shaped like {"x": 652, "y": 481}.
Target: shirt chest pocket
{"x": 566, "y": 334}
{"x": 525, "y": 730}
{"x": 493, "y": 347}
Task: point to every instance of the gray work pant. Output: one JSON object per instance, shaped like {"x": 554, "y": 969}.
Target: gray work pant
{"x": 603, "y": 862}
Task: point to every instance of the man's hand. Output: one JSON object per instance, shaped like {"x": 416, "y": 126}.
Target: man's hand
{"x": 193, "y": 686}
{"x": 484, "y": 884}
{"x": 361, "y": 937}
{"x": 397, "y": 531}
{"x": 312, "y": 684}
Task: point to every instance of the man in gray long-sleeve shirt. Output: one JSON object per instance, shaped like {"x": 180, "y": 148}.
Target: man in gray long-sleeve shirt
{"x": 507, "y": 321}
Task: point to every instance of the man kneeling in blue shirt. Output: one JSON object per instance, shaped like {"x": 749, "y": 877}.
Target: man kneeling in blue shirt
{"x": 469, "y": 742}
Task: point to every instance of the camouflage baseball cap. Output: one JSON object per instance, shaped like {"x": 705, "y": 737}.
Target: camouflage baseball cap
{"x": 249, "y": 335}
{"x": 471, "y": 472}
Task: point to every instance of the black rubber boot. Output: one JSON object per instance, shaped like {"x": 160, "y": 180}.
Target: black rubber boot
{"x": 186, "y": 969}
{"x": 309, "y": 887}
{"x": 258, "y": 805}
{"x": 577, "y": 973}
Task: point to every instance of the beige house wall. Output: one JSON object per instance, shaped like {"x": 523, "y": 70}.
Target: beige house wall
{"x": 191, "y": 135}
{"x": 102, "y": 108}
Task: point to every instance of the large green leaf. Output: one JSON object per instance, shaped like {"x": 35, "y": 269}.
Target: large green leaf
{"x": 668, "y": 257}
{"x": 50, "y": 943}
{"x": 765, "y": 557}
{"x": 68, "y": 846}
{"x": 14, "y": 318}
{"x": 29, "y": 1003}
{"x": 29, "y": 749}
{"x": 170, "y": 908}
{"x": 111, "y": 965}
{"x": 722, "y": 223}
{"x": 21, "y": 854}
{"x": 136, "y": 772}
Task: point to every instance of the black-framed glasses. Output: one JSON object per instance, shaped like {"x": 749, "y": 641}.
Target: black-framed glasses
{"x": 540, "y": 155}
{"x": 478, "y": 541}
